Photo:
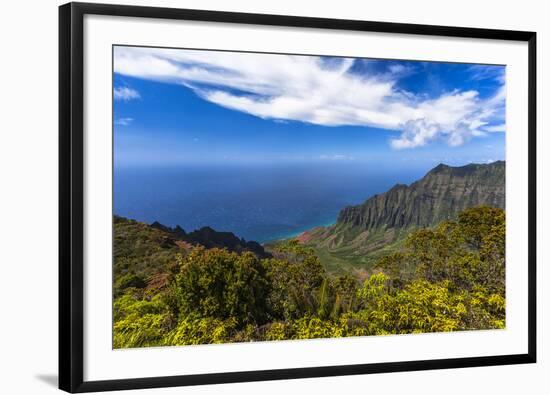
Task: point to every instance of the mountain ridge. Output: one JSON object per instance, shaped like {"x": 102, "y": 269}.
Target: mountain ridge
{"x": 439, "y": 195}
{"x": 210, "y": 238}
{"x": 384, "y": 219}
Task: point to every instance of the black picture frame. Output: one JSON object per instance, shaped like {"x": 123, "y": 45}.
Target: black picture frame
{"x": 71, "y": 173}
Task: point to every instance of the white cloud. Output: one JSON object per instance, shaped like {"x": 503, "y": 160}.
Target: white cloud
{"x": 124, "y": 121}
{"x": 495, "y": 128}
{"x": 125, "y": 93}
{"x": 317, "y": 90}
{"x": 455, "y": 117}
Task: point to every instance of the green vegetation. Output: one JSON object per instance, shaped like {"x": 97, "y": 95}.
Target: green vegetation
{"x": 446, "y": 278}
{"x": 380, "y": 225}
{"x": 356, "y": 253}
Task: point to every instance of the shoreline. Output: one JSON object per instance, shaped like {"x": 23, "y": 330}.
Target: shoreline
{"x": 294, "y": 234}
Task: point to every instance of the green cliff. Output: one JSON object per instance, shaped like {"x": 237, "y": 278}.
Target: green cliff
{"x": 379, "y": 224}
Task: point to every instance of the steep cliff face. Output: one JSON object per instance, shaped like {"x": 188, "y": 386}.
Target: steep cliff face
{"x": 382, "y": 222}
{"x": 440, "y": 195}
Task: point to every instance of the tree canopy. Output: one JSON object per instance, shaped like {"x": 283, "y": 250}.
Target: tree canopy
{"x": 447, "y": 278}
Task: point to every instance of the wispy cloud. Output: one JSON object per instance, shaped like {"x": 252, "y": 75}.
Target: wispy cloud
{"x": 495, "y": 128}
{"x": 481, "y": 72}
{"x": 320, "y": 91}
{"x": 337, "y": 157}
{"x": 125, "y": 93}
{"x": 124, "y": 121}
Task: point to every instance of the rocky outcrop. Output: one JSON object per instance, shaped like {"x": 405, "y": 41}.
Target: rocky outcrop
{"x": 211, "y": 238}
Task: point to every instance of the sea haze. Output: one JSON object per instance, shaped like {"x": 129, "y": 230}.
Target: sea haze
{"x": 257, "y": 202}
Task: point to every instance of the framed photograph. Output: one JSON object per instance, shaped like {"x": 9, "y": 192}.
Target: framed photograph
{"x": 250, "y": 197}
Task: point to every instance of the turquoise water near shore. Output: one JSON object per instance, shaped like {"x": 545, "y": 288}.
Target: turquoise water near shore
{"x": 297, "y": 232}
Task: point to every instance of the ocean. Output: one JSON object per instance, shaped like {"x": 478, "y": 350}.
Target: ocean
{"x": 256, "y": 202}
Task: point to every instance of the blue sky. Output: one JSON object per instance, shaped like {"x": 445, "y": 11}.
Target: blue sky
{"x": 184, "y": 106}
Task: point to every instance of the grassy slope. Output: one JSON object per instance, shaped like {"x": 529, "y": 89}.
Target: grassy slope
{"x": 348, "y": 250}
{"x": 345, "y": 260}
{"x": 141, "y": 250}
